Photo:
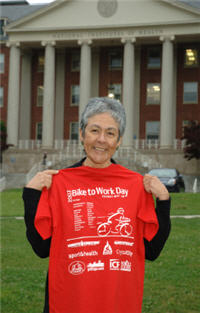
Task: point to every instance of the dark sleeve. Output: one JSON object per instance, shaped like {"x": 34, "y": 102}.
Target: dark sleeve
{"x": 155, "y": 246}
{"x": 40, "y": 246}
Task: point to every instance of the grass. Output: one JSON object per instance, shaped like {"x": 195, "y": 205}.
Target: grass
{"x": 171, "y": 282}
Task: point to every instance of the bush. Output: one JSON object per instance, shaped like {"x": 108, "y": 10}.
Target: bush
{"x": 192, "y": 137}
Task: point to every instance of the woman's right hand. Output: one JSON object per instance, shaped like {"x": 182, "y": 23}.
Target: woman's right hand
{"x": 42, "y": 179}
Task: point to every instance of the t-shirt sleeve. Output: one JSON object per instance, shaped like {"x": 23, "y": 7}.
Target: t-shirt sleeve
{"x": 148, "y": 215}
{"x": 43, "y": 218}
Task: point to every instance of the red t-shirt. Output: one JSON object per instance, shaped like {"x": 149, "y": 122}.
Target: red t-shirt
{"x": 97, "y": 219}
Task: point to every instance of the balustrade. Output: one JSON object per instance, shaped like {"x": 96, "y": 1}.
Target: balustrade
{"x": 73, "y": 145}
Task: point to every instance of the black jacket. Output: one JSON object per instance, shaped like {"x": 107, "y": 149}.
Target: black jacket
{"x": 42, "y": 247}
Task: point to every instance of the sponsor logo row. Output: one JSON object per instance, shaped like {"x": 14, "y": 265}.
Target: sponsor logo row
{"x": 97, "y": 242}
{"x": 79, "y": 267}
{"x": 95, "y": 253}
{"x": 107, "y": 250}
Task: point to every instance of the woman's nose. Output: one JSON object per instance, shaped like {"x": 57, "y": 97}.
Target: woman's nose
{"x": 101, "y": 137}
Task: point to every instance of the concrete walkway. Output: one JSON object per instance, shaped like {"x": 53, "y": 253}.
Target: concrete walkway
{"x": 185, "y": 216}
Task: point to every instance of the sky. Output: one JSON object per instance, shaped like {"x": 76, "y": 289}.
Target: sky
{"x": 39, "y": 1}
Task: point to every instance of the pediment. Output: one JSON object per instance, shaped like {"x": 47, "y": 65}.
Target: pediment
{"x": 91, "y": 14}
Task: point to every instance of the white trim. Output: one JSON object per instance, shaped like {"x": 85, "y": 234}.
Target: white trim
{"x": 103, "y": 27}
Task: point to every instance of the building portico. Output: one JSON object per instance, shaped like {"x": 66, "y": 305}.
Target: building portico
{"x": 57, "y": 42}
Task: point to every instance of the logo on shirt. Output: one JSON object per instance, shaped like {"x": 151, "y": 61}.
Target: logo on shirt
{"x": 95, "y": 266}
{"x": 112, "y": 192}
{"x": 76, "y": 268}
{"x": 117, "y": 265}
{"x": 117, "y": 223}
{"x": 107, "y": 249}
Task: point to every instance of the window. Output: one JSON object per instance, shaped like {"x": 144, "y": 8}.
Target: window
{"x": 185, "y": 123}
{"x": 40, "y": 64}
{"x": 191, "y": 57}
{"x": 75, "y": 66}
{"x": 74, "y": 130}
{"x": 75, "y": 91}
{"x": 115, "y": 60}
{"x": 190, "y": 92}
{"x": 2, "y": 62}
{"x": 40, "y": 92}
{"x": 1, "y": 97}
{"x": 152, "y": 129}
{"x": 39, "y": 131}
{"x": 3, "y": 23}
{"x": 115, "y": 91}
{"x": 153, "y": 61}
{"x": 153, "y": 93}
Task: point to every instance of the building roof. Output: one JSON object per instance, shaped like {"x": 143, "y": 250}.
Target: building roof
{"x": 16, "y": 11}
{"x": 192, "y": 3}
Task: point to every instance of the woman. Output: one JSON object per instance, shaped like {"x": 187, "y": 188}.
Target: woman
{"x": 97, "y": 222}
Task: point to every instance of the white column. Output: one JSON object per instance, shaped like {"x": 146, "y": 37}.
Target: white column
{"x": 95, "y": 74}
{"x": 60, "y": 95}
{"x": 49, "y": 96}
{"x": 25, "y": 103}
{"x": 167, "y": 93}
{"x": 128, "y": 91}
{"x": 13, "y": 94}
{"x": 85, "y": 74}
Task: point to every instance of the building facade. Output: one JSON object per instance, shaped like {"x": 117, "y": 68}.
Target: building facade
{"x": 144, "y": 53}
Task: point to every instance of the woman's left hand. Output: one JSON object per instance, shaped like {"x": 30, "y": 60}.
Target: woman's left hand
{"x": 152, "y": 184}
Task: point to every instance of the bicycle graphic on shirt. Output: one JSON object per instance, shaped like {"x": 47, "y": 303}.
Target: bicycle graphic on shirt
{"x": 117, "y": 223}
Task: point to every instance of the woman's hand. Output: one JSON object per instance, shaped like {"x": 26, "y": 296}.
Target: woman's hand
{"x": 42, "y": 179}
{"x": 152, "y": 184}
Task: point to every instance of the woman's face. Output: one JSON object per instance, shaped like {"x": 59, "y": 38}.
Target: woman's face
{"x": 100, "y": 140}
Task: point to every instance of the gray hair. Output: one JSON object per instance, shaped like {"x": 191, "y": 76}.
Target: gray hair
{"x": 104, "y": 105}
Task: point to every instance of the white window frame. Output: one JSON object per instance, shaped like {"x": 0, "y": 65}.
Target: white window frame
{"x": 75, "y": 57}
{"x": 149, "y": 65}
{"x": 112, "y": 53}
{"x": 152, "y": 85}
{"x": 40, "y": 96}
{"x": 187, "y": 101}
{"x": 38, "y": 124}
{"x": 2, "y": 63}
{"x": 155, "y": 134}
{"x": 1, "y": 97}
{"x": 190, "y": 50}
{"x": 71, "y": 98}
{"x": 40, "y": 65}
{"x": 71, "y": 132}
{"x": 114, "y": 89}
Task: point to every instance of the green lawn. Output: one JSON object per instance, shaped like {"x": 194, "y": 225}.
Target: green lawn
{"x": 171, "y": 282}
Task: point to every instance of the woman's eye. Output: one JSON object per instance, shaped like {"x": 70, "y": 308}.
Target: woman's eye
{"x": 111, "y": 134}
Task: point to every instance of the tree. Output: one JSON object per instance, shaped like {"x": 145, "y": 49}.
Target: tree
{"x": 192, "y": 137}
{"x": 3, "y": 136}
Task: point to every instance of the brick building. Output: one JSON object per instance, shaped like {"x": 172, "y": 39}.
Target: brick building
{"x": 55, "y": 57}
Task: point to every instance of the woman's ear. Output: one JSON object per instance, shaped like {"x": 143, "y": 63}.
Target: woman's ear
{"x": 81, "y": 136}
{"x": 119, "y": 142}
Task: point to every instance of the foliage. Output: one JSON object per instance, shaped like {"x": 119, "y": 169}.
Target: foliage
{"x": 3, "y": 139}
{"x": 192, "y": 137}
{"x": 3, "y": 135}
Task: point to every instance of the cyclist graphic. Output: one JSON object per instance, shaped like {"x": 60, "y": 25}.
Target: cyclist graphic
{"x": 117, "y": 223}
